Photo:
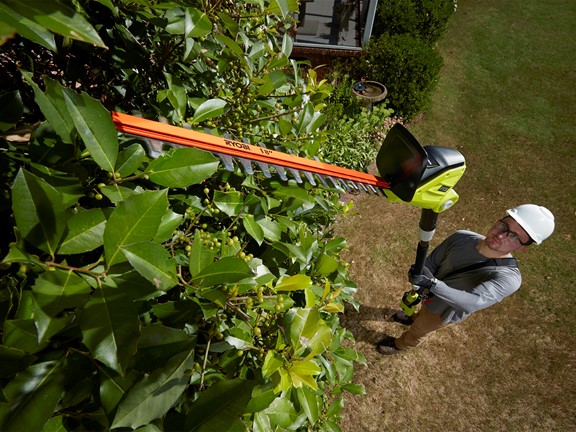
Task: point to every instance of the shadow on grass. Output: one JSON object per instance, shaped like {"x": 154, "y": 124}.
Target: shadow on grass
{"x": 356, "y": 321}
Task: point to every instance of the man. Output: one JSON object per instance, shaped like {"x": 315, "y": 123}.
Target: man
{"x": 468, "y": 272}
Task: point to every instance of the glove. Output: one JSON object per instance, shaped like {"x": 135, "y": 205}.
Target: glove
{"x": 424, "y": 281}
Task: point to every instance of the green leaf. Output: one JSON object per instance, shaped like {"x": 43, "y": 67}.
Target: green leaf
{"x": 261, "y": 423}
{"x": 229, "y": 23}
{"x": 176, "y": 93}
{"x": 307, "y": 333}
{"x": 153, "y": 262}
{"x": 294, "y": 283}
{"x": 333, "y": 308}
{"x": 27, "y": 28}
{"x": 196, "y": 24}
{"x": 302, "y": 372}
{"x": 11, "y": 109}
{"x": 253, "y": 228}
{"x": 225, "y": 270}
{"x": 238, "y": 343}
{"x": 262, "y": 397}
{"x": 155, "y": 394}
{"x": 57, "y": 18}
{"x": 113, "y": 387}
{"x": 55, "y": 424}
{"x": 301, "y": 252}
{"x": 116, "y": 193}
{"x": 182, "y": 167}
{"x": 177, "y": 313}
{"x": 85, "y": 232}
{"x": 209, "y": 109}
{"x": 53, "y": 106}
{"x": 326, "y": 265}
{"x": 305, "y": 117}
{"x": 233, "y": 46}
{"x": 355, "y": 388}
{"x": 281, "y": 413}
{"x": 18, "y": 254}
{"x": 200, "y": 256}
{"x": 7, "y": 32}
{"x": 32, "y": 397}
{"x": 94, "y": 124}
{"x": 294, "y": 192}
{"x": 60, "y": 289}
{"x": 316, "y": 121}
{"x": 13, "y": 360}
{"x": 317, "y": 343}
{"x": 110, "y": 327}
{"x": 135, "y": 220}
{"x": 272, "y": 229}
{"x": 21, "y": 334}
{"x": 220, "y": 406}
{"x": 310, "y": 403}
{"x": 272, "y": 362}
{"x": 135, "y": 286}
{"x": 274, "y": 80}
{"x": 129, "y": 160}
{"x": 39, "y": 211}
{"x": 335, "y": 408}
{"x": 287, "y": 44}
{"x": 170, "y": 221}
{"x": 47, "y": 326}
{"x": 230, "y": 203}
{"x": 69, "y": 186}
{"x": 158, "y": 343}
{"x": 310, "y": 297}
{"x": 282, "y": 7}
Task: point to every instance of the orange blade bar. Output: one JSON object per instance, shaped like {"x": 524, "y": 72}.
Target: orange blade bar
{"x": 177, "y": 135}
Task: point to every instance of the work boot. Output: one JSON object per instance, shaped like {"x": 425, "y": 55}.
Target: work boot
{"x": 402, "y": 318}
{"x": 387, "y": 346}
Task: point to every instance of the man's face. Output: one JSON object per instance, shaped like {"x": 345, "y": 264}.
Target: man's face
{"x": 506, "y": 236}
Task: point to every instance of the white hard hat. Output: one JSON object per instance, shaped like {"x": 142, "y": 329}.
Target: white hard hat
{"x": 537, "y": 221}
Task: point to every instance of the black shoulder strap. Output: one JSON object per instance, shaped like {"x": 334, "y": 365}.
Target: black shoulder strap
{"x": 492, "y": 262}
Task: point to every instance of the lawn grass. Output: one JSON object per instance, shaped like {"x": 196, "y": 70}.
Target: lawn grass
{"x": 507, "y": 101}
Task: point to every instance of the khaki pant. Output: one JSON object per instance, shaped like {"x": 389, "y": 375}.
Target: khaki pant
{"x": 424, "y": 324}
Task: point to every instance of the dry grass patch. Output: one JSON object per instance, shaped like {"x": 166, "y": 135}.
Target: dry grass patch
{"x": 501, "y": 370}
{"x": 506, "y": 101}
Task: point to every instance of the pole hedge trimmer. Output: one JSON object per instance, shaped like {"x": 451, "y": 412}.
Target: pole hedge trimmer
{"x": 421, "y": 177}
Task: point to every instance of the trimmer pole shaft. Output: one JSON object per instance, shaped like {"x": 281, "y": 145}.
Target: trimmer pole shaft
{"x": 428, "y": 220}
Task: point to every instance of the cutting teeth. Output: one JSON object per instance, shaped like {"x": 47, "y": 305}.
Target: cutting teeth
{"x": 322, "y": 180}
{"x": 227, "y": 161}
{"x": 247, "y": 165}
{"x": 157, "y": 148}
{"x": 310, "y": 177}
{"x": 265, "y": 169}
{"x": 296, "y": 174}
{"x": 373, "y": 189}
{"x": 158, "y": 137}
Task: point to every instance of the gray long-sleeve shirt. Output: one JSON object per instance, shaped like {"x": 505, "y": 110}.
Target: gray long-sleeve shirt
{"x": 460, "y": 294}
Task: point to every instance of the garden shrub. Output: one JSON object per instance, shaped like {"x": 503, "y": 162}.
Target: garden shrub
{"x": 425, "y": 19}
{"x": 357, "y": 138}
{"x": 407, "y": 66}
{"x": 163, "y": 293}
{"x": 342, "y": 102}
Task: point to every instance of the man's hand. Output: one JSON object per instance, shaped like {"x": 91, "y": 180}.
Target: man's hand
{"x": 424, "y": 281}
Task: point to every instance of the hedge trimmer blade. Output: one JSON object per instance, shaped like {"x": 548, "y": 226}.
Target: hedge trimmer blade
{"x": 159, "y": 135}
